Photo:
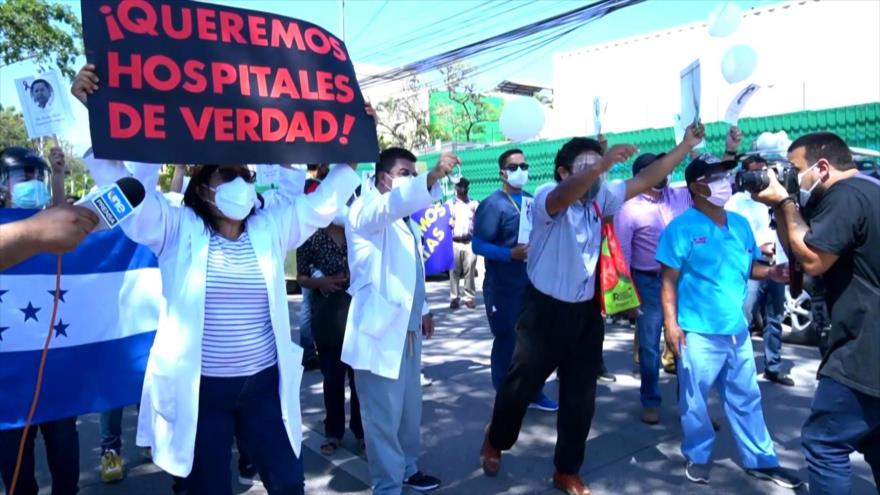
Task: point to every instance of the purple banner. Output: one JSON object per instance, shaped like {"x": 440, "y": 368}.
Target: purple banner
{"x": 436, "y": 238}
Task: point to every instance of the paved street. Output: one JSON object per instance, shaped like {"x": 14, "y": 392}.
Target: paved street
{"x": 624, "y": 456}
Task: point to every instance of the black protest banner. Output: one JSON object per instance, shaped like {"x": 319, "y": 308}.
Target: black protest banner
{"x": 189, "y": 82}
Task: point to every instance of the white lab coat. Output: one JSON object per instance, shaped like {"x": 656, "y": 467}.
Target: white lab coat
{"x": 169, "y": 402}
{"x": 382, "y": 261}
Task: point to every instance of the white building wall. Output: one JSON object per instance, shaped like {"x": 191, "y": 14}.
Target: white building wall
{"x": 812, "y": 54}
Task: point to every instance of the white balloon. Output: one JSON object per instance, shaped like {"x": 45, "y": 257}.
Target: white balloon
{"x": 724, "y": 20}
{"x": 522, "y": 118}
{"x": 739, "y": 62}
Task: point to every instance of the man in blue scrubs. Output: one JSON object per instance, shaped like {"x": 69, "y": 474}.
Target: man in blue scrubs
{"x": 496, "y": 232}
{"x": 708, "y": 255}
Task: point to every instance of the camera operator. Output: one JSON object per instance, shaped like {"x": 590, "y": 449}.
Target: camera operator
{"x": 764, "y": 296}
{"x": 836, "y": 234}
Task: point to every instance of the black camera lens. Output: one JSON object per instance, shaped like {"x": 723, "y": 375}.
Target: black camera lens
{"x": 752, "y": 181}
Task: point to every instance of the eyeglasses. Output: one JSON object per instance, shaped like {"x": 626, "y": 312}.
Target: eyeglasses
{"x": 513, "y": 166}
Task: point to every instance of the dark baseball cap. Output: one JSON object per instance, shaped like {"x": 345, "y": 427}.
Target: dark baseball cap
{"x": 644, "y": 160}
{"x": 699, "y": 167}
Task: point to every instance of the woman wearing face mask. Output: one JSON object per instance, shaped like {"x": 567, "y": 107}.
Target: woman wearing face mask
{"x": 322, "y": 264}
{"x": 223, "y": 359}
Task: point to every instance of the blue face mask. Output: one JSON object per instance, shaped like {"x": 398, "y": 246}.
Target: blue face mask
{"x": 30, "y": 194}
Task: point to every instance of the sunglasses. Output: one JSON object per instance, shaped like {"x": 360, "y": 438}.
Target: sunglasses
{"x": 229, "y": 174}
{"x": 513, "y": 166}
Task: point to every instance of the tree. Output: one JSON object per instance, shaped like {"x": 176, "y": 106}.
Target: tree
{"x": 471, "y": 109}
{"x": 403, "y": 120}
{"x": 12, "y": 129}
{"x": 37, "y": 29}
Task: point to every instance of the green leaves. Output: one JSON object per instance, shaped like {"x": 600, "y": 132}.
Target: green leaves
{"x": 46, "y": 32}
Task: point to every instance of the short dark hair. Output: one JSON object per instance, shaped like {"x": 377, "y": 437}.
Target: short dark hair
{"x": 502, "y": 160}
{"x": 463, "y": 182}
{"x": 751, "y": 159}
{"x": 570, "y": 150}
{"x": 827, "y": 145}
{"x": 201, "y": 176}
{"x": 40, "y": 81}
{"x": 389, "y": 157}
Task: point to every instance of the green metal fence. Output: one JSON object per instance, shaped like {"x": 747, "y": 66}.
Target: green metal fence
{"x": 858, "y": 125}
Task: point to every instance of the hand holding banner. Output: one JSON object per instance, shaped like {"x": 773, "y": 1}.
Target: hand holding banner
{"x": 189, "y": 82}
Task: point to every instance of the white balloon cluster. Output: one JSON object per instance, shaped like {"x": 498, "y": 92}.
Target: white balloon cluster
{"x": 522, "y": 118}
{"x": 739, "y": 61}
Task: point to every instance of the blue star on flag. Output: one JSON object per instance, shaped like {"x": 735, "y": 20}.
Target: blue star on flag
{"x": 61, "y": 328}
{"x": 1, "y": 294}
{"x": 29, "y": 312}
{"x": 61, "y": 293}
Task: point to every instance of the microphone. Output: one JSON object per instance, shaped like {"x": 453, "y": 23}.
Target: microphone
{"x": 114, "y": 203}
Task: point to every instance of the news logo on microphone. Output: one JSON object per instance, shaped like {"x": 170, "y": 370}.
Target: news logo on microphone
{"x": 112, "y": 206}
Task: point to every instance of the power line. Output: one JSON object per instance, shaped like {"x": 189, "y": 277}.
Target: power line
{"x": 572, "y": 19}
{"x": 370, "y": 22}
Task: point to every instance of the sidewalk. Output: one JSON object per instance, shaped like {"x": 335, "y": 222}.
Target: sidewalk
{"x": 624, "y": 456}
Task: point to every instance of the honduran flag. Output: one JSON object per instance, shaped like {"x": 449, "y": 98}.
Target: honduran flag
{"x": 107, "y": 317}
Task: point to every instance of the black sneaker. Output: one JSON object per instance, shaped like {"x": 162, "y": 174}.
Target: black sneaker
{"x": 780, "y": 378}
{"x": 782, "y": 477}
{"x": 606, "y": 376}
{"x": 697, "y": 473}
{"x": 421, "y": 482}
{"x": 311, "y": 363}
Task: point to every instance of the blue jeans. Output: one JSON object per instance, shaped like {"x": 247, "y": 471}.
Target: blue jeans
{"x": 502, "y": 308}
{"x": 306, "y": 341}
{"x": 727, "y": 361}
{"x": 768, "y": 298}
{"x": 841, "y": 421}
{"x": 62, "y": 453}
{"x": 249, "y": 406}
{"x": 111, "y": 430}
{"x": 650, "y": 326}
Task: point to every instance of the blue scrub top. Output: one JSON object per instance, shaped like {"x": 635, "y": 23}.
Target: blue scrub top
{"x": 714, "y": 265}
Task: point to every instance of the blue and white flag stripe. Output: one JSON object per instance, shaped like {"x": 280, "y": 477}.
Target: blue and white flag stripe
{"x": 111, "y": 292}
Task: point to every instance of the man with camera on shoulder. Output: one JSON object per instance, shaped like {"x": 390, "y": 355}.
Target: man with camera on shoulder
{"x": 831, "y": 226}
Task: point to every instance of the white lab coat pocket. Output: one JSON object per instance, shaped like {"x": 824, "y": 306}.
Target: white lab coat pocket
{"x": 376, "y": 314}
{"x": 163, "y": 396}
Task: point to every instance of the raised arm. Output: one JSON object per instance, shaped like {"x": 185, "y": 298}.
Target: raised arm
{"x": 660, "y": 169}
{"x": 377, "y": 211}
{"x": 56, "y": 159}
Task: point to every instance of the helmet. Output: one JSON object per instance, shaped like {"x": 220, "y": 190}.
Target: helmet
{"x": 17, "y": 161}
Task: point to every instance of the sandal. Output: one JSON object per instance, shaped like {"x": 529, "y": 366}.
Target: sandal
{"x": 329, "y": 447}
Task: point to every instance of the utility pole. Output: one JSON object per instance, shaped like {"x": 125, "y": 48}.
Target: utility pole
{"x": 342, "y": 19}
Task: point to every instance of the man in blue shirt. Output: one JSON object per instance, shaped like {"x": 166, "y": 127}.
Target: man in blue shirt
{"x": 560, "y": 326}
{"x": 496, "y": 238}
{"x": 708, "y": 255}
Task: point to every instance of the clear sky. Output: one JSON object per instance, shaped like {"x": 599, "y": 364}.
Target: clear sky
{"x": 394, "y": 32}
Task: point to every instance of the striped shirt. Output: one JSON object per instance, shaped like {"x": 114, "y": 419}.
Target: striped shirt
{"x": 238, "y": 338}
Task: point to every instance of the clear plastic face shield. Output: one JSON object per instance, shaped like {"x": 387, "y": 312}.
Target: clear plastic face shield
{"x": 27, "y": 186}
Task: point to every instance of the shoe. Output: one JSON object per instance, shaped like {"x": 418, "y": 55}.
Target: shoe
{"x": 572, "y": 484}
{"x": 111, "y": 467}
{"x": 330, "y": 445}
{"x": 426, "y": 382}
{"x": 782, "y": 477}
{"x": 606, "y": 376}
{"x": 780, "y": 378}
{"x": 311, "y": 363}
{"x": 454, "y": 304}
{"x": 544, "y": 403}
{"x": 670, "y": 370}
{"x": 470, "y": 304}
{"x": 421, "y": 482}
{"x": 650, "y": 415}
{"x": 697, "y": 473}
{"x": 490, "y": 457}
{"x": 148, "y": 454}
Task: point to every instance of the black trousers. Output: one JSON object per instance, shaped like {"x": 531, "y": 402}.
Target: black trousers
{"x": 335, "y": 371}
{"x": 62, "y": 453}
{"x": 552, "y": 334}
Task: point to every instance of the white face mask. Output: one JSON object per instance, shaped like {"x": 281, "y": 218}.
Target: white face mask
{"x": 235, "y": 199}
{"x": 720, "y": 192}
{"x": 399, "y": 181}
{"x": 518, "y": 178}
{"x": 804, "y": 194}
